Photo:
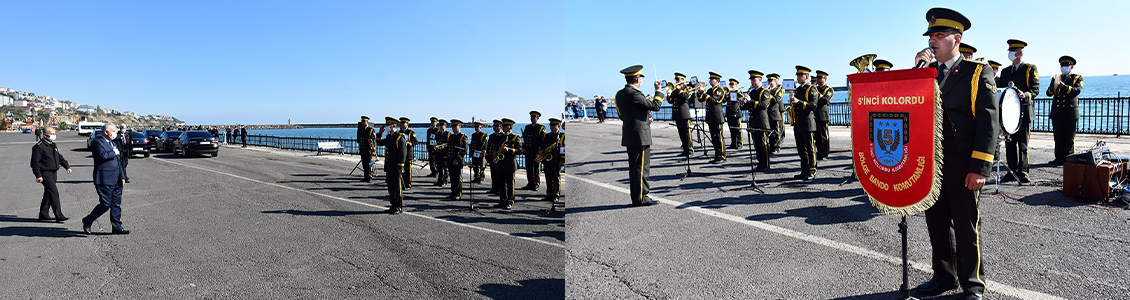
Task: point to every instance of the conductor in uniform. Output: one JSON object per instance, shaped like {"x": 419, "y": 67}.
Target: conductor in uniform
{"x": 804, "y": 106}
{"x": 410, "y": 139}
{"x": 635, "y": 133}
{"x": 396, "y": 163}
{"x": 1026, "y": 79}
{"x": 822, "y": 117}
{"x": 532, "y": 135}
{"x": 680, "y": 111}
{"x": 734, "y": 114}
{"x": 1064, "y": 90}
{"x": 776, "y": 112}
{"x": 366, "y": 147}
{"x": 714, "y": 97}
{"x": 758, "y": 106}
{"x": 969, "y": 136}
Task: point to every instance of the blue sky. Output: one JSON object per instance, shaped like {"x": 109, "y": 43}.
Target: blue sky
{"x": 314, "y": 62}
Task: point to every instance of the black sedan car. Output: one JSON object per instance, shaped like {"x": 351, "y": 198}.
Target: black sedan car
{"x": 138, "y": 144}
{"x": 152, "y": 135}
{"x": 166, "y": 140}
{"x": 196, "y": 142}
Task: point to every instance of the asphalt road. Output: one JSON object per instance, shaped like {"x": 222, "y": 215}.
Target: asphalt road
{"x": 261, "y": 223}
{"x": 817, "y": 240}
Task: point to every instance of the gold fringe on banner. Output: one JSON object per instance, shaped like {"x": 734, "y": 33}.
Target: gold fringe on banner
{"x": 936, "y": 184}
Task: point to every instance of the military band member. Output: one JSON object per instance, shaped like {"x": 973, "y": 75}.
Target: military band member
{"x": 494, "y": 141}
{"x": 804, "y": 107}
{"x": 509, "y": 147}
{"x": 996, "y": 71}
{"x": 478, "y": 147}
{"x": 366, "y": 147}
{"x": 734, "y": 113}
{"x": 966, "y": 51}
{"x": 1027, "y": 80}
{"x": 410, "y": 135}
{"x": 758, "y": 106}
{"x": 432, "y": 130}
{"x": 396, "y": 163}
{"x": 635, "y": 134}
{"x": 714, "y": 96}
{"x": 969, "y": 136}
{"x": 532, "y": 135}
{"x": 822, "y": 118}
{"x": 441, "y": 155}
{"x": 554, "y": 146}
{"x": 882, "y": 65}
{"x": 681, "y": 112}
{"x": 776, "y": 112}
{"x": 1064, "y": 90}
{"x": 456, "y": 148}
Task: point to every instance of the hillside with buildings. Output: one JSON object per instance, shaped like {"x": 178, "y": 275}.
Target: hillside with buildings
{"x": 19, "y": 107}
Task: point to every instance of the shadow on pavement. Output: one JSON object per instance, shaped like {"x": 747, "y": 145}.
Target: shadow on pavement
{"x": 526, "y": 289}
{"x": 13, "y": 218}
{"x": 40, "y": 232}
{"x": 323, "y": 213}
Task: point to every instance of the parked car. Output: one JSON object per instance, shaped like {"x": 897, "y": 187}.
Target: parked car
{"x": 138, "y": 144}
{"x": 196, "y": 142}
{"x": 152, "y": 135}
{"x": 165, "y": 141}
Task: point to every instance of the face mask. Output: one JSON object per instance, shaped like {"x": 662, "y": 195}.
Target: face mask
{"x": 1065, "y": 70}
{"x": 1011, "y": 55}
{"x": 51, "y": 137}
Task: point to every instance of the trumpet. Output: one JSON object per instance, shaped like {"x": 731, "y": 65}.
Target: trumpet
{"x": 546, "y": 154}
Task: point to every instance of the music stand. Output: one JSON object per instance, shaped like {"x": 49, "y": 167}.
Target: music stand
{"x": 471, "y": 196}
{"x": 752, "y": 173}
{"x": 355, "y": 168}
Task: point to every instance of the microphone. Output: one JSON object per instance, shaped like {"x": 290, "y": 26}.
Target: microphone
{"x": 922, "y": 63}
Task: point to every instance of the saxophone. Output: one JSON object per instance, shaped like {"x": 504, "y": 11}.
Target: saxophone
{"x": 498, "y": 154}
{"x": 546, "y": 154}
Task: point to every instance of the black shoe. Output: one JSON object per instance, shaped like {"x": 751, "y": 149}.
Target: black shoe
{"x": 61, "y": 219}
{"x": 972, "y": 296}
{"x": 647, "y": 202}
{"x": 931, "y": 288}
{"x": 394, "y": 211}
{"x": 760, "y": 169}
{"x": 1056, "y": 162}
{"x": 800, "y": 176}
{"x": 367, "y": 180}
{"x": 1024, "y": 177}
{"x": 122, "y": 231}
{"x": 46, "y": 219}
{"x": 809, "y": 177}
{"x": 715, "y": 161}
{"x": 508, "y": 206}
{"x": 407, "y": 187}
{"x": 1007, "y": 178}
{"x": 685, "y": 154}
{"x": 431, "y": 175}
{"x": 86, "y": 226}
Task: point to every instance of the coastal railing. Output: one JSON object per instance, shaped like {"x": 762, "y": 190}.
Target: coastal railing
{"x": 1096, "y": 115}
{"x": 420, "y": 150}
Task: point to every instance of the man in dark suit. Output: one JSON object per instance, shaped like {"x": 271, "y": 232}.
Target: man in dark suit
{"x": 1064, "y": 90}
{"x": 243, "y": 135}
{"x": 635, "y": 133}
{"x": 109, "y": 177}
{"x": 758, "y": 106}
{"x": 822, "y": 138}
{"x": 775, "y": 112}
{"x": 396, "y": 163}
{"x": 45, "y": 162}
{"x": 1026, "y": 79}
{"x": 714, "y": 97}
{"x": 366, "y": 147}
{"x": 969, "y": 136}
{"x": 681, "y": 113}
{"x": 804, "y": 105}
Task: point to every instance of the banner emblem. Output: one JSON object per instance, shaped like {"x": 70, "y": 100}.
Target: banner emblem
{"x": 889, "y": 138}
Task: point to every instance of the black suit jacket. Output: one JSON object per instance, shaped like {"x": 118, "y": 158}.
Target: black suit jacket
{"x": 45, "y": 156}
{"x": 775, "y": 105}
{"x": 680, "y": 106}
{"x": 758, "y": 106}
{"x": 825, "y": 98}
{"x": 805, "y": 116}
{"x": 714, "y": 97}
{"x": 1065, "y": 100}
{"x": 971, "y": 139}
{"x": 633, "y": 107}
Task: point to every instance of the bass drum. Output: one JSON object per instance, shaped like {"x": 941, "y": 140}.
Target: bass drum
{"x": 1010, "y": 109}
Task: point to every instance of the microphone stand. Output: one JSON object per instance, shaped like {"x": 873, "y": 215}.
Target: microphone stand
{"x": 752, "y": 174}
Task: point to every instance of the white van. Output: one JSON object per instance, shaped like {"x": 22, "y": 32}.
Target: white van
{"x": 87, "y": 128}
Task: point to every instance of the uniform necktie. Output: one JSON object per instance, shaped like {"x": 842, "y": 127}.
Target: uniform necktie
{"x": 941, "y": 72}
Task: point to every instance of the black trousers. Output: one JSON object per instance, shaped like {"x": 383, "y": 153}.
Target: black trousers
{"x": 533, "y": 170}
{"x": 441, "y": 170}
{"x": 806, "y": 147}
{"x": 954, "y": 224}
{"x": 775, "y": 140}
{"x": 639, "y": 169}
{"x": 552, "y": 179}
{"x": 455, "y": 171}
{"x": 684, "y": 127}
{"x": 716, "y": 139}
{"x": 761, "y": 145}
{"x": 506, "y": 185}
{"x": 495, "y": 186}
{"x": 477, "y": 165}
{"x": 600, "y": 115}
{"x": 109, "y": 199}
{"x": 406, "y": 177}
{"x": 432, "y": 164}
{"x": 366, "y": 158}
{"x": 1016, "y": 148}
{"x": 735, "y": 126}
{"x": 50, "y": 196}
{"x": 822, "y": 139}
{"x": 1064, "y": 135}
{"x": 395, "y": 190}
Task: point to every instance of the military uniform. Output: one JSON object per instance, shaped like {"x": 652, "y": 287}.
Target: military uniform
{"x": 681, "y": 112}
{"x": 714, "y": 97}
{"x": 507, "y": 166}
{"x": 1027, "y": 81}
{"x": 456, "y": 150}
{"x": 532, "y": 135}
{"x": 396, "y": 162}
{"x": 432, "y": 147}
{"x": 410, "y": 135}
{"x": 442, "y": 136}
{"x": 366, "y": 147}
{"x": 822, "y": 139}
{"x": 996, "y": 67}
{"x": 758, "y": 106}
{"x": 478, "y": 147}
{"x": 494, "y": 142}
{"x": 966, "y": 50}
{"x": 805, "y": 125}
{"x": 969, "y": 136}
{"x": 776, "y": 114}
{"x": 554, "y": 144}
{"x": 1065, "y": 110}
{"x": 734, "y": 115}
{"x": 635, "y": 134}
{"x": 882, "y": 65}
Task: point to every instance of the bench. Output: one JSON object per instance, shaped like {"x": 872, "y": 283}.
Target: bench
{"x": 330, "y": 146}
